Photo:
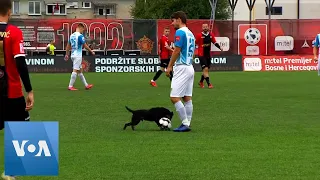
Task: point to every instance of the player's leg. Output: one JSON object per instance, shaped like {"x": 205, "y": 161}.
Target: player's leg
{"x": 188, "y": 96}
{"x": 206, "y": 72}
{"x": 15, "y": 111}
{"x": 3, "y": 106}
{"x": 83, "y": 79}
{"x": 178, "y": 87}
{"x": 163, "y": 65}
{"x": 76, "y": 70}
{"x": 166, "y": 66}
{"x": 203, "y": 64}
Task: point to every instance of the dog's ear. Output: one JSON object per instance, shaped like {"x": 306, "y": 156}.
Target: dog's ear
{"x": 171, "y": 115}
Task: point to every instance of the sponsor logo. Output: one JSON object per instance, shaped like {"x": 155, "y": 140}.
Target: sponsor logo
{"x": 40, "y": 61}
{"x": 252, "y": 50}
{"x": 32, "y": 148}
{"x": 5, "y": 34}
{"x": 85, "y": 65}
{"x": 224, "y": 43}
{"x": 145, "y": 45}
{"x": 305, "y": 44}
{"x": 252, "y": 64}
{"x": 279, "y": 63}
{"x": 1, "y": 73}
{"x": 21, "y": 48}
{"x": 252, "y": 39}
{"x": 215, "y": 60}
{"x": 27, "y": 44}
{"x": 283, "y": 43}
{"x": 127, "y": 64}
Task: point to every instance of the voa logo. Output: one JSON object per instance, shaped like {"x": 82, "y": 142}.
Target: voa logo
{"x": 215, "y": 60}
{"x": 41, "y": 149}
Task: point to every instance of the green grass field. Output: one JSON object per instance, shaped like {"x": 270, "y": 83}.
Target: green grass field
{"x": 251, "y": 126}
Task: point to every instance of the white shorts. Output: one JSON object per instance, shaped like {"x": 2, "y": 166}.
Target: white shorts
{"x": 182, "y": 81}
{"x": 77, "y": 62}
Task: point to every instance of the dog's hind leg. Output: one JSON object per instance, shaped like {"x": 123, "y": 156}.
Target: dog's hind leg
{"x": 126, "y": 125}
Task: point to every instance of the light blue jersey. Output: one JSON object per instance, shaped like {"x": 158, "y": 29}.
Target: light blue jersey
{"x": 184, "y": 39}
{"x": 317, "y": 41}
{"x": 76, "y": 41}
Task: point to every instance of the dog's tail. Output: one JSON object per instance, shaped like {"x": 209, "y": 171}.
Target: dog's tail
{"x": 130, "y": 110}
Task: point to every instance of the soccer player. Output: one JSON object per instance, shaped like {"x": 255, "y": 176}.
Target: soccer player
{"x": 183, "y": 72}
{"x": 204, "y": 40}
{"x": 76, "y": 44}
{"x": 316, "y": 52}
{"x": 165, "y": 51}
{"x": 13, "y": 70}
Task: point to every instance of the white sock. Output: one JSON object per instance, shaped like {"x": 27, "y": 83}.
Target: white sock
{"x": 182, "y": 112}
{"x": 83, "y": 79}
{"x": 189, "y": 110}
{"x": 73, "y": 79}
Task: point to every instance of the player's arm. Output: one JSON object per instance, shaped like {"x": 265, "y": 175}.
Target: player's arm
{"x": 24, "y": 73}
{"x": 174, "y": 56}
{"x": 316, "y": 48}
{"x": 178, "y": 42}
{"x": 20, "y": 58}
{"x": 214, "y": 41}
{"x": 19, "y": 55}
{"x": 168, "y": 47}
{"x": 68, "y": 48}
{"x": 85, "y": 45}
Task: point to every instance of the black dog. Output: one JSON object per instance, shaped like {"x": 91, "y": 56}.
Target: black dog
{"x": 153, "y": 114}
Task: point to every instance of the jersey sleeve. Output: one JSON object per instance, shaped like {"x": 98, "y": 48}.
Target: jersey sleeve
{"x": 317, "y": 41}
{"x": 213, "y": 38}
{"x": 82, "y": 40}
{"x": 17, "y": 43}
{"x": 162, "y": 42}
{"x": 179, "y": 38}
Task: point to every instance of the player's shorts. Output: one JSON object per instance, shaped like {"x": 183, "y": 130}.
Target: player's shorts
{"x": 182, "y": 81}
{"x": 205, "y": 62}
{"x": 13, "y": 109}
{"x": 77, "y": 62}
{"x": 164, "y": 63}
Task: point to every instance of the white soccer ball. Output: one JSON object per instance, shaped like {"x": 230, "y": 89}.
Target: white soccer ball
{"x": 165, "y": 122}
{"x": 252, "y": 36}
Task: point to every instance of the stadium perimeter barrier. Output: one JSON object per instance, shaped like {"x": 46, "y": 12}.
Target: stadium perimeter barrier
{"x": 110, "y": 64}
{"x": 276, "y": 45}
{"x": 277, "y": 37}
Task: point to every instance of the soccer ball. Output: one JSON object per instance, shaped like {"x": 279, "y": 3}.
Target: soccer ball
{"x": 252, "y": 36}
{"x": 165, "y": 123}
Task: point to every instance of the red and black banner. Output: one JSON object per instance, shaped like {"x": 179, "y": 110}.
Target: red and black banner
{"x": 275, "y": 37}
{"x": 261, "y": 37}
{"x": 101, "y": 34}
{"x": 145, "y": 36}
